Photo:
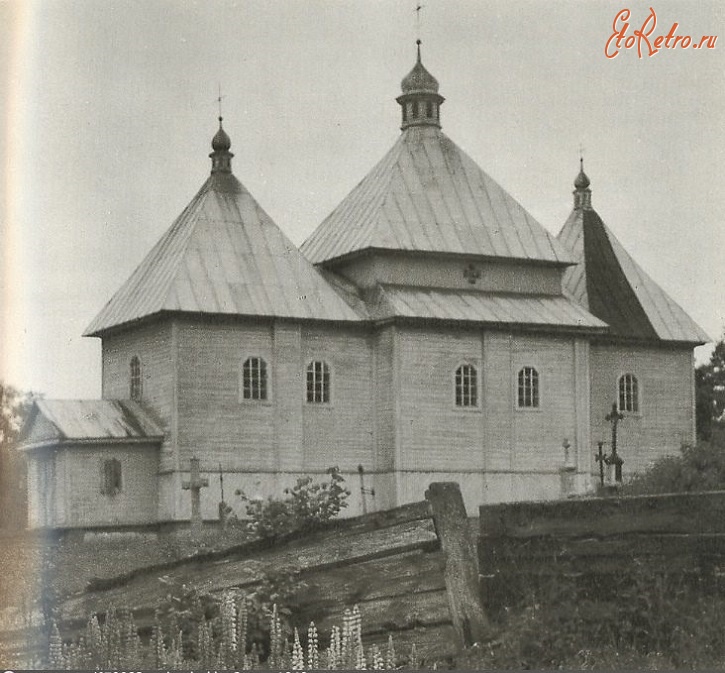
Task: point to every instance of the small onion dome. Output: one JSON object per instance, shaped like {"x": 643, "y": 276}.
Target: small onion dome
{"x": 419, "y": 79}
{"x": 582, "y": 181}
{"x": 221, "y": 142}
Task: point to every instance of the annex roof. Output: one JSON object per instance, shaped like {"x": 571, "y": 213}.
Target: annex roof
{"x": 224, "y": 255}
{"x": 428, "y": 195}
{"x": 57, "y": 421}
{"x": 555, "y": 311}
{"x": 610, "y": 284}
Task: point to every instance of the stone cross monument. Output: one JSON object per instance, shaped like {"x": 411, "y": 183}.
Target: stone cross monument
{"x": 195, "y": 484}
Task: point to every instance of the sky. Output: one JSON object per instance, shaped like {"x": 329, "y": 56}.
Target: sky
{"x": 109, "y": 109}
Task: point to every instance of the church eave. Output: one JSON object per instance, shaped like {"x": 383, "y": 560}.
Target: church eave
{"x": 370, "y": 251}
{"x": 515, "y": 327}
{"x": 611, "y": 338}
{"x": 70, "y": 442}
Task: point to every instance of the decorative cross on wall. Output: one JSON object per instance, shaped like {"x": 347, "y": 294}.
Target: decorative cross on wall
{"x": 471, "y": 273}
{"x": 195, "y": 484}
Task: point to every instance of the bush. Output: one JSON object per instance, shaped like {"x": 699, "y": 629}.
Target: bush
{"x": 699, "y": 468}
{"x": 307, "y": 506}
{"x": 637, "y": 619}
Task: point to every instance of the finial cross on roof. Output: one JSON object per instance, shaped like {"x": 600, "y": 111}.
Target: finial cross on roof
{"x": 219, "y": 100}
{"x": 418, "y": 7}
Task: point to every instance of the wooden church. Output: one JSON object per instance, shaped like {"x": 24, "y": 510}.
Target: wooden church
{"x": 430, "y": 329}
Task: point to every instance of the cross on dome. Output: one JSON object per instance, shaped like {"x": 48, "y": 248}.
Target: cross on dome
{"x": 420, "y": 100}
{"x": 221, "y": 157}
{"x": 582, "y": 193}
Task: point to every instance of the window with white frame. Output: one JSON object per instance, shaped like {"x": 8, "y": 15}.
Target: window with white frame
{"x": 318, "y": 382}
{"x": 466, "y": 384}
{"x": 628, "y": 393}
{"x": 111, "y": 479}
{"x": 135, "y": 385}
{"x": 528, "y": 388}
{"x": 254, "y": 379}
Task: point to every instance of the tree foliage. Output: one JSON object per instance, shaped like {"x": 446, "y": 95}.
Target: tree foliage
{"x": 710, "y": 392}
{"x": 14, "y": 407}
{"x": 698, "y": 468}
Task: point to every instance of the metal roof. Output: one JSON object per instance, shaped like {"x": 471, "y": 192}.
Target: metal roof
{"x": 95, "y": 420}
{"x": 483, "y": 307}
{"x": 224, "y": 255}
{"x": 427, "y": 195}
{"x": 609, "y": 283}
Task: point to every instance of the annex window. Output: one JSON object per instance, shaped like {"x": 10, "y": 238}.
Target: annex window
{"x": 254, "y": 379}
{"x": 135, "y": 385}
{"x": 318, "y": 382}
{"x": 111, "y": 480}
{"x": 466, "y": 382}
{"x": 528, "y": 388}
{"x": 628, "y": 393}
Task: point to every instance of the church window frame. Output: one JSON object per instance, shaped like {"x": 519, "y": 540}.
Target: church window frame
{"x": 254, "y": 383}
{"x": 629, "y": 393}
{"x": 318, "y": 382}
{"x": 528, "y": 389}
{"x": 135, "y": 383}
{"x": 111, "y": 477}
{"x": 466, "y": 386}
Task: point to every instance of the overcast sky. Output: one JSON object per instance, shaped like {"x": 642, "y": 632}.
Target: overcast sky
{"x": 110, "y": 108}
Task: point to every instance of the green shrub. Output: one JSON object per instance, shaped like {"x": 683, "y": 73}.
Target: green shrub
{"x": 305, "y": 507}
{"x": 699, "y": 468}
{"x": 637, "y": 619}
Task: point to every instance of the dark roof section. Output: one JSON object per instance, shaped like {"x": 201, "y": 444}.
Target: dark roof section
{"x": 610, "y": 284}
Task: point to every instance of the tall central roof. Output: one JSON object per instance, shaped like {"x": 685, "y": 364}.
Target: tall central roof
{"x": 224, "y": 255}
{"x": 427, "y": 195}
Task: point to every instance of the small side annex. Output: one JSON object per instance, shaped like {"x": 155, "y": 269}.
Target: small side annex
{"x": 91, "y": 463}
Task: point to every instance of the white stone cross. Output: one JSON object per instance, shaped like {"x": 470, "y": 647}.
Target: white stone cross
{"x": 195, "y": 484}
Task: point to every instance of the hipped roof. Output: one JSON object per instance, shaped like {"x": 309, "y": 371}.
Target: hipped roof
{"x": 224, "y": 255}
{"x": 428, "y": 195}
{"x": 610, "y": 284}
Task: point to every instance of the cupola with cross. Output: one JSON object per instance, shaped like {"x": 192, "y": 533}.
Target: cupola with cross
{"x": 582, "y": 193}
{"x": 420, "y": 100}
{"x": 221, "y": 157}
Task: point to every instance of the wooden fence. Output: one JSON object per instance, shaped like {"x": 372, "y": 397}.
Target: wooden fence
{"x": 521, "y": 544}
{"x": 412, "y": 571}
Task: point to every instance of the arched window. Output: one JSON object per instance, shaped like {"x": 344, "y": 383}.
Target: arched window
{"x": 528, "y": 388}
{"x": 254, "y": 379}
{"x": 628, "y": 393}
{"x": 466, "y": 386}
{"x": 111, "y": 481}
{"x": 135, "y": 385}
{"x": 318, "y": 382}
